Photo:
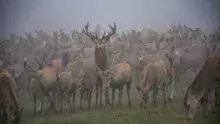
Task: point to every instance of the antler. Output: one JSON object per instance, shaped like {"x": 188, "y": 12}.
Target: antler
{"x": 89, "y": 34}
{"x": 40, "y": 63}
{"x": 104, "y": 39}
{"x": 112, "y": 32}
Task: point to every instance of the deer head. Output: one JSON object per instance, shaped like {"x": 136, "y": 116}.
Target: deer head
{"x": 100, "y": 49}
{"x": 43, "y": 62}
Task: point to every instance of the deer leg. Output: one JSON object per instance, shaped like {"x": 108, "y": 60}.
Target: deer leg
{"x": 51, "y": 103}
{"x": 155, "y": 96}
{"x": 74, "y": 99}
{"x": 142, "y": 103}
{"x": 90, "y": 98}
{"x": 145, "y": 100}
{"x": 113, "y": 97}
{"x": 153, "y": 99}
{"x": 42, "y": 107}
{"x": 101, "y": 91}
{"x": 164, "y": 93}
{"x": 34, "y": 97}
{"x": 84, "y": 99}
{"x": 119, "y": 96}
{"x": 106, "y": 97}
{"x": 81, "y": 98}
{"x": 87, "y": 97}
{"x": 172, "y": 87}
{"x": 67, "y": 99}
{"x": 61, "y": 101}
{"x": 97, "y": 95}
{"x": 128, "y": 93}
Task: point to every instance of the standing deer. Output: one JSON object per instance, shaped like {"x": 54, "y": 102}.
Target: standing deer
{"x": 9, "y": 100}
{"x": 118, "y": 76}
{"x": 101, "y": 57}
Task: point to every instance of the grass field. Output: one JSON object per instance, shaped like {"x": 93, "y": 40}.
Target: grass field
{"x": 173, "y": 113}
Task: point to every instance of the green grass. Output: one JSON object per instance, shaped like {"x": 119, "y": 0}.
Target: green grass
{"x": 152, "y": 115}
{"x": 173, "y": 113}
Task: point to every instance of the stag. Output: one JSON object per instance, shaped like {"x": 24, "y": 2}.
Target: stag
{"x": 101, "y": 56}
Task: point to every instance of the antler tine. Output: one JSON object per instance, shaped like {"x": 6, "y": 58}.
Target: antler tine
{"x": 37, "y": 61}
{"x": 103, "y": 36}
{"x": 90, "y": 35}
{"x": 112, "y": 32}
{"x": 53, "y": 56}
{"x": 58, "y": 39}
{"x": 44, "y": 57}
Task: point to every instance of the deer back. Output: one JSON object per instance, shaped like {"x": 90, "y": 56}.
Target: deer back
{"x": 49, "y": 76}
{"x": 8, "y": 89}
{"x": 121, "y": 71}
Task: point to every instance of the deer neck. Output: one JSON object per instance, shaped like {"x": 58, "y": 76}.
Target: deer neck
{"x": 101, "y": 58}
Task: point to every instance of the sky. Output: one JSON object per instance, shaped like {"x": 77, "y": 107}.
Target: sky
{"x": 19, "y": 16}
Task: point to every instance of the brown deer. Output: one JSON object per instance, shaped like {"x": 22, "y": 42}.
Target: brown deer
{"x": 101, "y": 57}
{"x": 204, "y": 83}
{"x": 8, "y": 98}
{"x": 119, "y": 75}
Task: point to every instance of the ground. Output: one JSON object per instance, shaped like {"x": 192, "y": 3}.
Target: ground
{"x": 172, "y": 113}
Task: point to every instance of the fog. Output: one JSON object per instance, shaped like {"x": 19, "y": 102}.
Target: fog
{"x": 19, "y": 16}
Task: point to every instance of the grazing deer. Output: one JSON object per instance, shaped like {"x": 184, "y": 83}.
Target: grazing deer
{"x": 155, "y": 75}
{"x": 101, "y": 57}
{"x": 206, "y": 80}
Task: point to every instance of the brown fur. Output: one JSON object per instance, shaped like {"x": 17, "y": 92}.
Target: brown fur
{"x": 206, "y": 80}
{"x": 67, "y": 84}
{"x": 86, "y": 88}
{"x": 37, "y": 93}
{"x": 58, "y": 66}
{"x": 48, "y": 78}
{"x": 101, "y": 55}
{"x": 154, "y": 76}
{"x": 8, "y": 83}
{"x": 8, "y": 96}
{"x": 120, "y": 75}
{"x": 101, "y": 60}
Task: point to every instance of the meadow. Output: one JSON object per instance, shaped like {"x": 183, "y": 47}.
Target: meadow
{"x": 172, "y": 113}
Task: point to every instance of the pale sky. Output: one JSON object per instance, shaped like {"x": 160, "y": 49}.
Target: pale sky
{"x": 30, "y": 15}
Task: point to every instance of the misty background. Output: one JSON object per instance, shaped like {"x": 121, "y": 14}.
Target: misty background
{"x": 19, "y": 16}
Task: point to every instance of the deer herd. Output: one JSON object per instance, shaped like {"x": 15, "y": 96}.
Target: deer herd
{"x": 105, "y": 66}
